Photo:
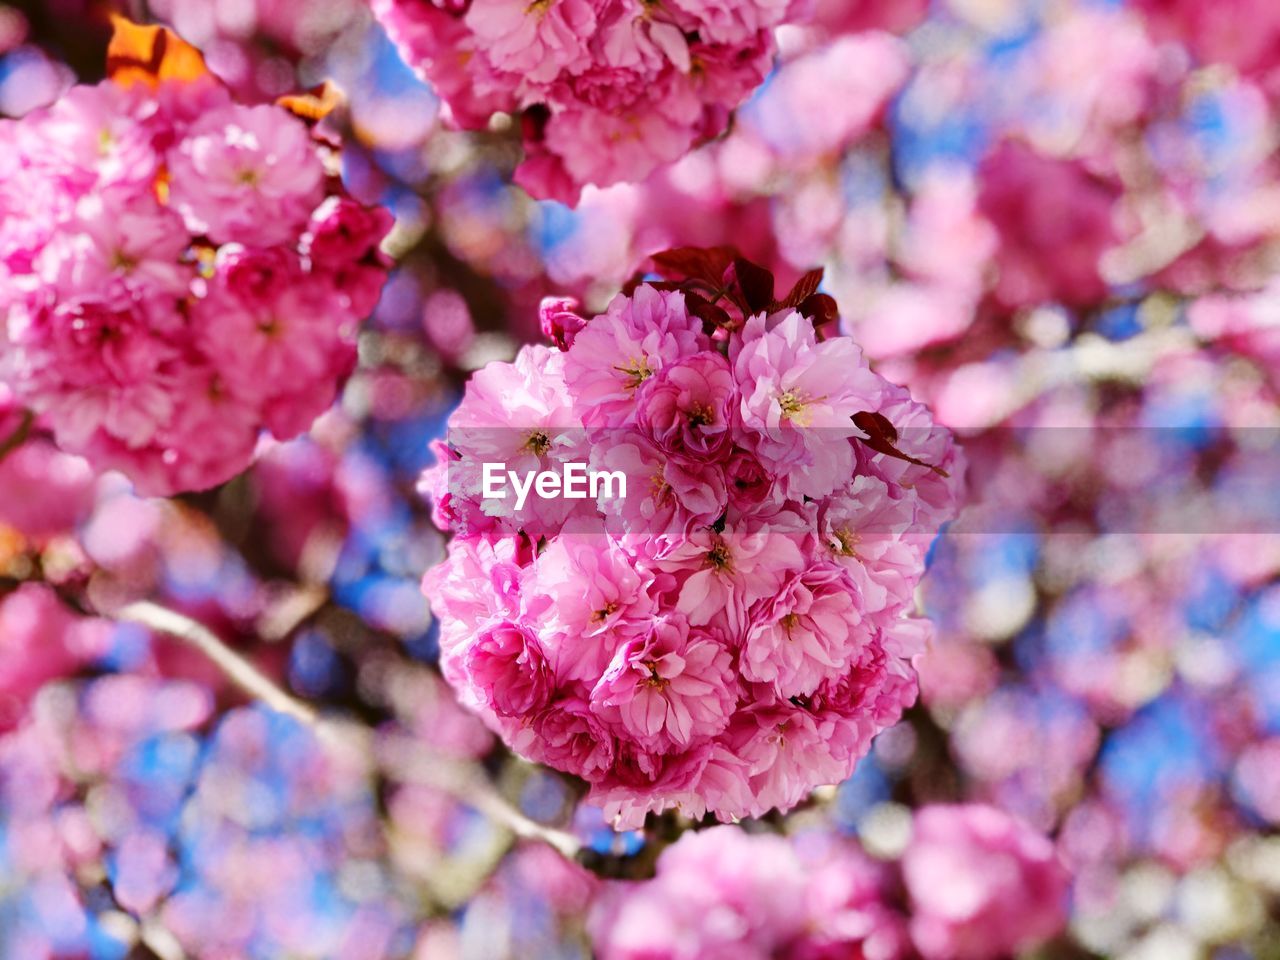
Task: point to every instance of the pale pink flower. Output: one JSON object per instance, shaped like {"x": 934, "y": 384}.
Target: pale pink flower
{"x": 983, "y": 885}
{"x": 618, "y": 351}
{"x": 686, "y": 408}
{"x": 798, "y": 400}
{"x": 669, "y": 687}
{"x": 719, "y": 894}
{"x": 807, "y": 632}
{"x": 507, "y": 663}
{"x": 246, "y": 174}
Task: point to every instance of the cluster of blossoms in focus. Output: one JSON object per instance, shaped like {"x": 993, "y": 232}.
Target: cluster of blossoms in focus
{"x": 973, "y": 883}
{"x": 178, "y": 273}
{"x": 734, "y": 630}
{"x": 607, "y": 90}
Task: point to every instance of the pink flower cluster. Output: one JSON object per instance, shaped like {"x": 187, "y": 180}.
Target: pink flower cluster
{"x": 732, "y": 631}
{"x": 983, "y": 885}
{"x": 177, "y": 273}
{"x": 41, "y": 640}
{"x": 979, "y": 885}
{"x": 724, "y": 894}
{"x": 608, "y": 90}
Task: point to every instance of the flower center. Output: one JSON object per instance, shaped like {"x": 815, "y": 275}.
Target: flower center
{"x": 637, "y": 371}
{"x": 538, "y": 442}
{"x": 700, "y": 415}
{"x": 604, "y": 613}
{"x": 654, "y": 680}
{"x": 791, "y": 404}
{"x": 845, "y": 542}
{"x": 718, "y": 556}
{"x": 123, "y": 261}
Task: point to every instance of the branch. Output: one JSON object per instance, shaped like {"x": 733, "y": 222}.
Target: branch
{"x": 406, "y": 756}
{"x": 415, "y": 764}
{"x": 236, "y": 668}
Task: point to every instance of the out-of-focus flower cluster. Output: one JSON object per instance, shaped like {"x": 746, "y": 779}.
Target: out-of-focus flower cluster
{"x": 605, "y": 90}
{"x": 259, "y": 47}
{"x": 972, "y": 883}
{"x": 177, "y": 273}
{"x": 727, "y": 629}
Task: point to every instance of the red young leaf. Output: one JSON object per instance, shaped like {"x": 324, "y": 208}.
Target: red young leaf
{"x": 756, "y": 284}
{"x": 882, "y": 437}
{"x": 821, "y": 309}
{"x": 695, "y": 263}
{"x": 706, "y": 311}
{"x": 805, "y": 288}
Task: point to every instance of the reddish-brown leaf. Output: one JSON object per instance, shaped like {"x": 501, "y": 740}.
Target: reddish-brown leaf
{"x": 755, "y": 283}
{"x": 805, "y": 288}
{"x": 882, "y": 437}
{"x": 695, "y": 263}
{"x": 820, "y": 308}
{"x": 711, "y": 315}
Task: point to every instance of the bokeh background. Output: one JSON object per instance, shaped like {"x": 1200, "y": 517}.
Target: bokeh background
{"x": 1056, "y": 222}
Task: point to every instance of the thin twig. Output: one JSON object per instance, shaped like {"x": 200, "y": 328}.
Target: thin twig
{"x": 237, "y": 669}
{"x": 416, "y": 764}
{"x": 409, "y": 758}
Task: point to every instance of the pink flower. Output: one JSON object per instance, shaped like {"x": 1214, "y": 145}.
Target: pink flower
{"x": 506, "y": 661}
{"x": 246, "y": 174}
{"x": 569, "y": 736}
{"x": 615, "y": 144}
{"x": 798, "y": 396}
{"x": 43, "y": 491}
{"x": 344, "y": 231}
{"x": 41, "y": 641}
{"x": 824, "y": 100}
{"x": 462, "y": 608}
{"x": 807, "y": 632}
{"x": 537, "y": 40}
{"x": 686, "y": 408}
{"x": 142, "y": 335}
{"x": 849, "y": 905}
{"x": 587, "y": 596}
{"x": 719, "y": 894}
{"x": 618, "y": 351}
{"x": 610, "y": 91}
{"x": 518, "y": 415}
{"x": 669, "y": 687}
{"x": 728, "y": 572}
{"x": 865, "y": 530}
{"x": 283, "y": 355}
{"x": 559, "y": 321}
{"x": 786, "y": 750}
{"x": 664, "y": 495}
{"x": 982, "y": 884}
{"x": 1049, "y": 249}
{"x": 715, "y": 640}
